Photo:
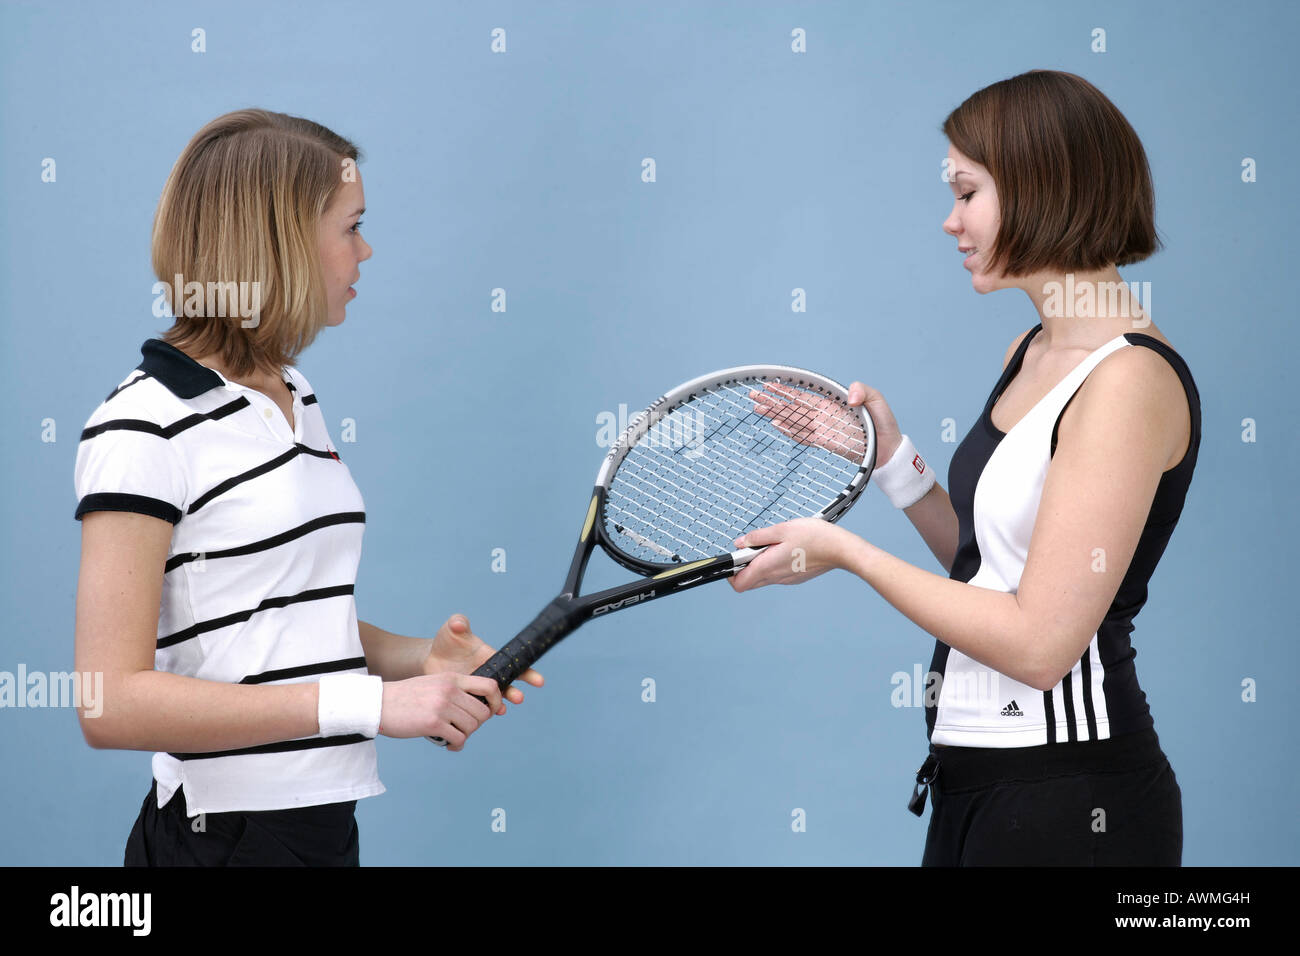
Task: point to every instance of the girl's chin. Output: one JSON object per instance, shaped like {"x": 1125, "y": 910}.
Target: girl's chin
{"x": 982, "y": 282}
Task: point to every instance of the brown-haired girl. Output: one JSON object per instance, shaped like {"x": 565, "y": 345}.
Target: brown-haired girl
{"x": 1064, "y": 494}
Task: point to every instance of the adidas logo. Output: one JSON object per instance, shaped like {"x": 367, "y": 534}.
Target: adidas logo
{"x": 1012, "y": 710}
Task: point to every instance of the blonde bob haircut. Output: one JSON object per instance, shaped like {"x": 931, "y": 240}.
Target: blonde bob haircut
{"x": 242, "y": 205}
{"x": 1074, "y": 187}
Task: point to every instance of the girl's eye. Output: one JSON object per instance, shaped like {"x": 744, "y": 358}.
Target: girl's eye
{"x": 966, "y": 197}
{"x": 356, "y": 225}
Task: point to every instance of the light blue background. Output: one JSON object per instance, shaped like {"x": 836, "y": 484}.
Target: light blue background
{"x": 477, "y": 430}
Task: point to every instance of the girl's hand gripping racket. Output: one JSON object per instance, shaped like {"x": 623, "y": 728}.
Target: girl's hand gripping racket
{"x": 714, "y": 458}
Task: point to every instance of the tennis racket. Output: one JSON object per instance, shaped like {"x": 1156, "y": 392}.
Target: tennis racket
{"x": 714, "y": 458}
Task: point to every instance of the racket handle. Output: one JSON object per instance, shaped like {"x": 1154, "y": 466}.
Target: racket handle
{"x": 555, "y": 622}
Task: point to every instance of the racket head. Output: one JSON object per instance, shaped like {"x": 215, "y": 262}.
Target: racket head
{"x": 726, "y": 453}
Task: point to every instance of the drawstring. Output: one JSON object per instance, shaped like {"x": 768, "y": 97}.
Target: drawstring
{"x": 924, "y": 777}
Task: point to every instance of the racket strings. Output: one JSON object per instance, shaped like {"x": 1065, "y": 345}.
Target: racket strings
{"x": 711, "y": 517}
{"x": 730, "y": 492}
{"x": 741, "y": 408}
{"x": 744, "y": 456}
{"x": 698, "y": 521}
{"x": 716, "y": 466}
{"x": 826, "y": 423}
{"x": 703, "y": 491}
{"x": 739, "y": 414}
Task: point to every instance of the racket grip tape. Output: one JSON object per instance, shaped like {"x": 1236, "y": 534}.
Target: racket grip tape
{"x": 556, "y": 621}
{"x": 529, "y": 644}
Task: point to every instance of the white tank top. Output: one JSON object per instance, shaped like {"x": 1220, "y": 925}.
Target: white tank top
{"x": 996, "y": 483}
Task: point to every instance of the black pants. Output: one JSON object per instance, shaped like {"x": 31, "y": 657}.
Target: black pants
{"x": 1112, "y": 802}
{"x": 324, "y": 835}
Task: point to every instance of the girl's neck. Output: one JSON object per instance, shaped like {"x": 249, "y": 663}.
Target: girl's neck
{"x": 1084, "y": 310}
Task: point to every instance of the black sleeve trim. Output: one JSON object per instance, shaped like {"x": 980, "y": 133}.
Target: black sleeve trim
{"x": 140, "y": 504}
{"x": 305, "y": 670}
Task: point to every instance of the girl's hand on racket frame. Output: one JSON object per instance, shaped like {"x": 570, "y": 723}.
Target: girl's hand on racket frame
{"x": 441, "y": 704}
{"x": 457, "y": 650}
{"x": 888, "y": 435}
{"x": 793, "y": 552}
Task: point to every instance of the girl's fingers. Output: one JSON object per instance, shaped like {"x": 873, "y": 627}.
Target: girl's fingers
{"x": 761, "y": 536}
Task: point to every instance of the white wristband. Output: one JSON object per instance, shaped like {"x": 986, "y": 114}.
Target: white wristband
{"x": 905, "y": 478}
{"x": 350, "y": 704}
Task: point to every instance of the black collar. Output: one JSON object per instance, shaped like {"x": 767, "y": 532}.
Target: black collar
{"x": 183, "y": 376}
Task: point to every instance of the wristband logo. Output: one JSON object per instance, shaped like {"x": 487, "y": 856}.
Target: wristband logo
{"x": 919, "y": 465}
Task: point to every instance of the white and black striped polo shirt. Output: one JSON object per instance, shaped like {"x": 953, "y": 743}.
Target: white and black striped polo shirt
{"x": 258, "y": 584}
{"x": 995, "y": 481}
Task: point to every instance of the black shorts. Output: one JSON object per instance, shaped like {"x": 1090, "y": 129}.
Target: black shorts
{"x": 1112, "y": 802}
{"x": 324, "y": 835}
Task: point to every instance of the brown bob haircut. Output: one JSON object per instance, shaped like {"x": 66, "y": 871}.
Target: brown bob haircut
{"x": 242, "y": 205}
{"x": 1074, "y": 186}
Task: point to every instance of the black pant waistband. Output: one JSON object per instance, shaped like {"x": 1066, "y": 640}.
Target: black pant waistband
{"x": 964, "y": 768}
